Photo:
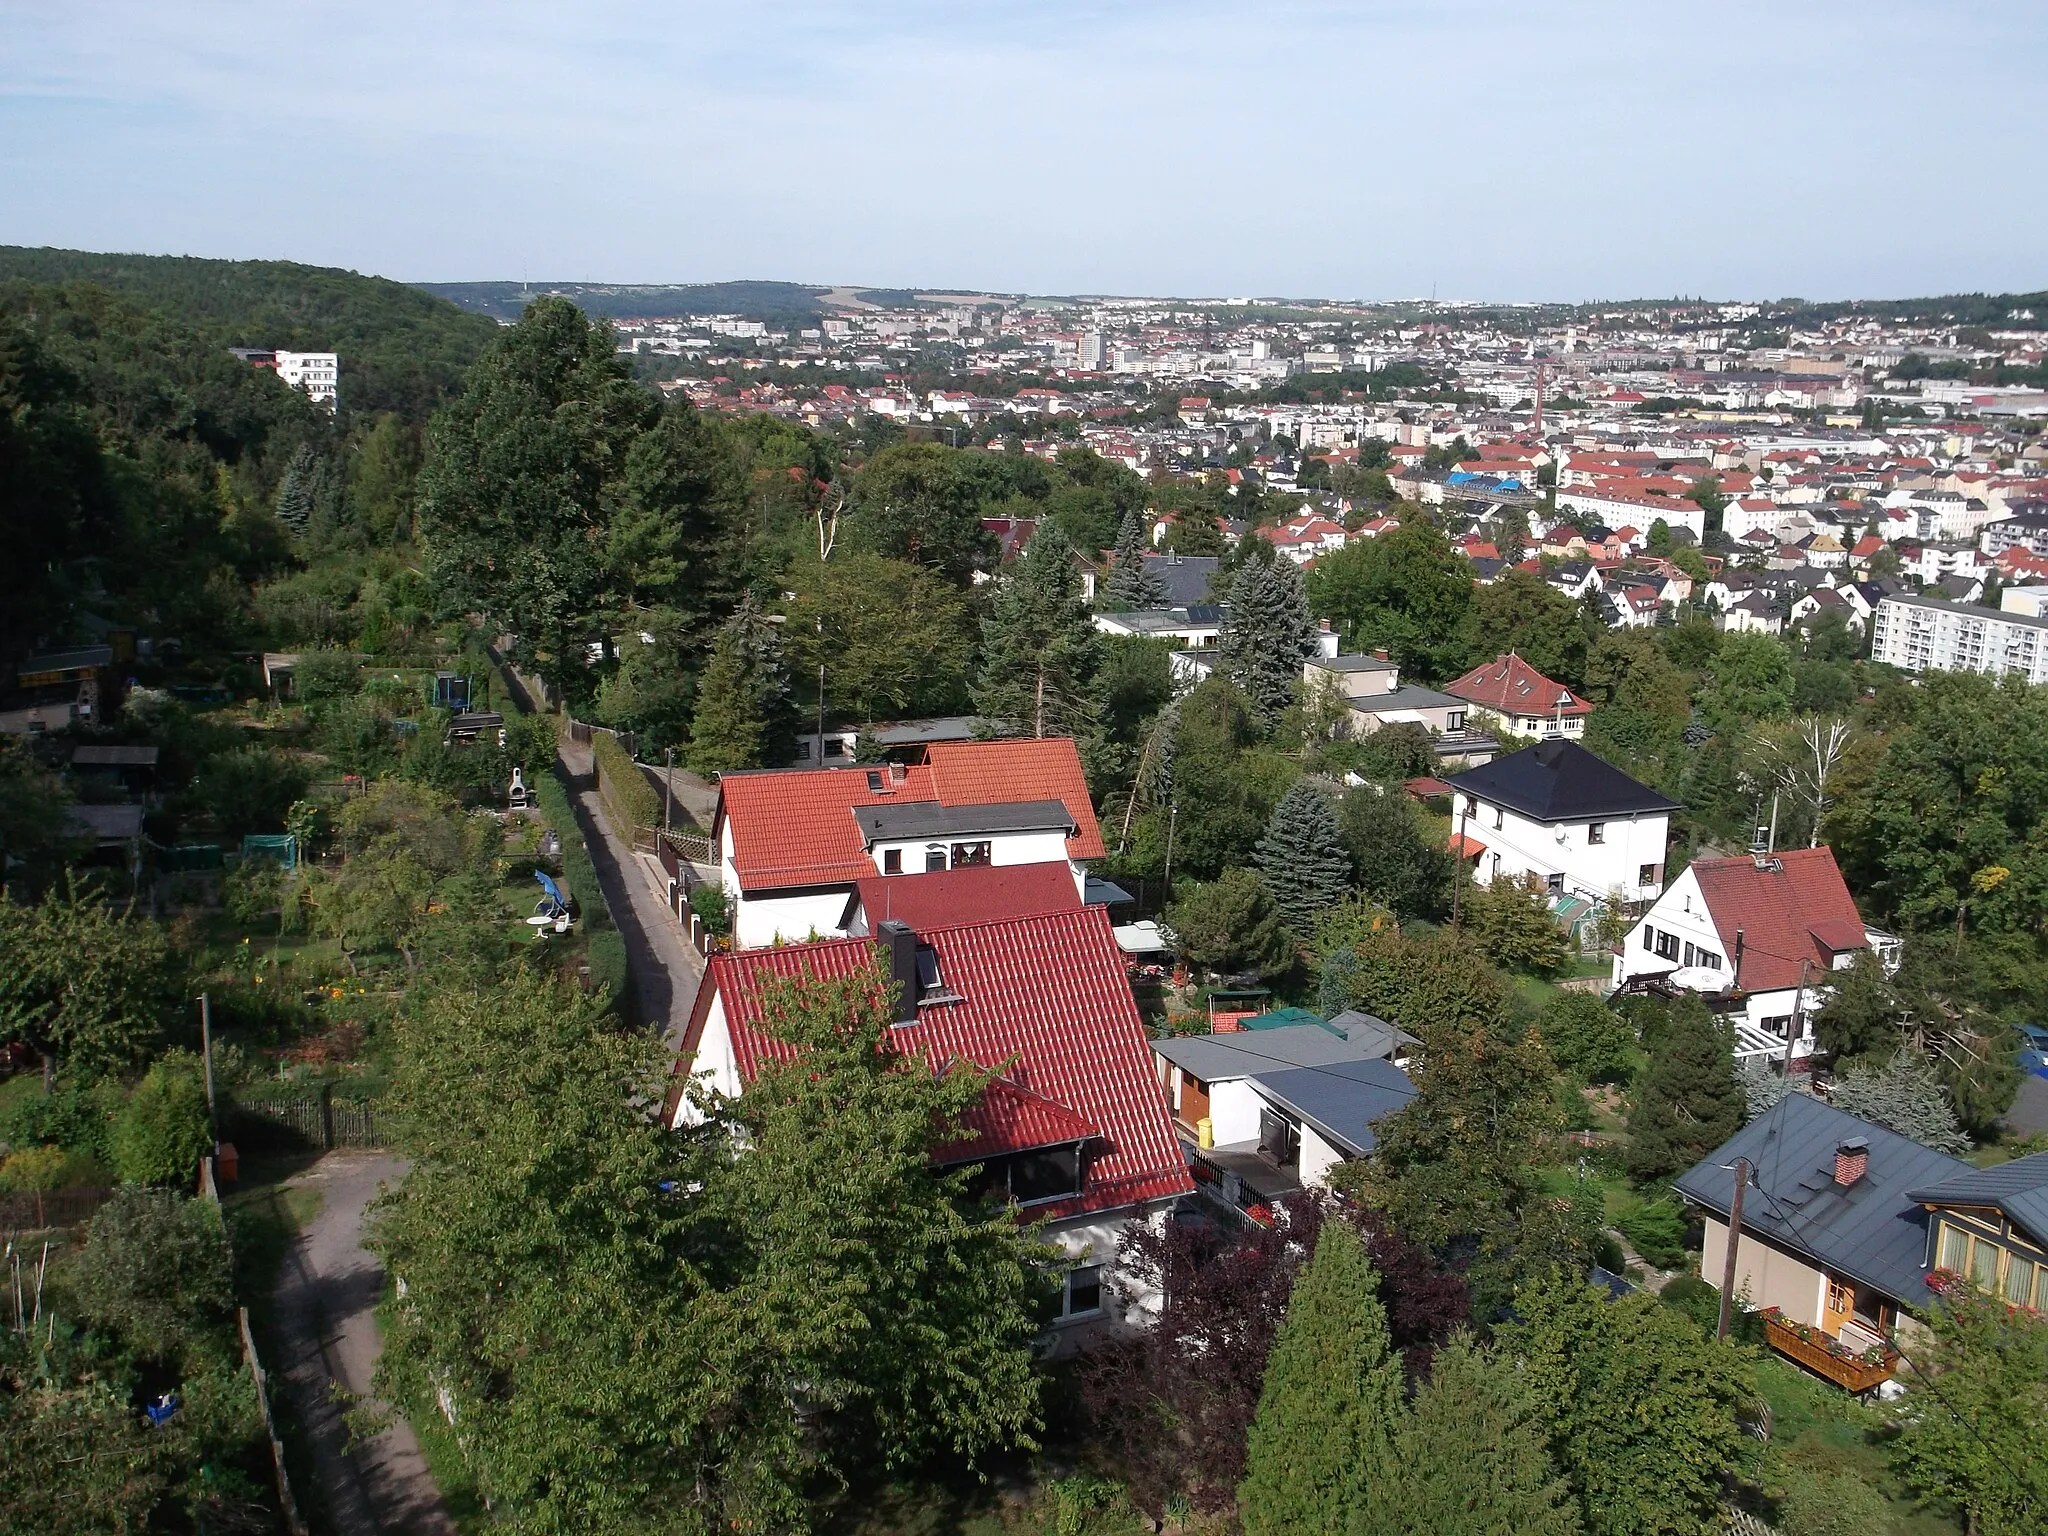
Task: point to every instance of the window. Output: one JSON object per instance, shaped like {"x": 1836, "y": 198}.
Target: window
{"x": 2019, "y": 1281}
{"x": 1499, "y": 817}
{"x": 1984, "y": 1265}
{"x": 1084, "y": 1292}
{"x": 892, "y": 861}
{"x": 1454, "y": 720}
{"x": 1646, "y": 875}
{"x": 1596, "y": 832}
{"x": 970, "y": 855}
{"x": 1710, "y": 959}
{"x": 934, "y": 858}
{"x": 1667, "y": 946}
{"x": 1553, "y": 885}
{"x": 874, "y": 782}
{"x": 1955, "y": 1249}
{"x": 1649, "y": 938}
{"x": 1781, "y": 1026}
{"x": 1691, "y": 957}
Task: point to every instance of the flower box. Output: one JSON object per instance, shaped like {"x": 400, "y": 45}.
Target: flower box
{"x": 1852, "y": 1370}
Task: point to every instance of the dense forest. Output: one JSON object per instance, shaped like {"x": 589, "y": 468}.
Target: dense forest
{"x": 402, "y": 351}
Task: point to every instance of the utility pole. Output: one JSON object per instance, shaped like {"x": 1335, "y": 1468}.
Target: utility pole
{"x": 1734, "y": 1237}
{"x": 206, "y": 1055}
{"x": 1172, "y": 821}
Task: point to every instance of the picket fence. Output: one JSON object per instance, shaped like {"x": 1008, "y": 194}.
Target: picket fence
{"x": 320, "y": 1120}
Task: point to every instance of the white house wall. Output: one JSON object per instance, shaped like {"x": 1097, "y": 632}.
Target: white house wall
{"x": 1234, "y": 1106}
{"x": 714, "y": 1069}
{"x": 1318, "y": 1157}
{"x": 1519, "y": 846}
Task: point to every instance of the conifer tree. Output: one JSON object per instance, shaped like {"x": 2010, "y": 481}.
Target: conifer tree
{"x": 1321, "y": 1453}
{"x": 295, "y": 492}
{"x": 1691, "y": 1101}
{"x": 1131, "y": 583}
{"x": 1475, "y": 1454}
{"x": 743, "y": 717}
{"x": 1302, "y": 857}
{"x": 1904, "y": 1095}
{"x": 1039, "y": 647}
{"x": 1268, "y": 634}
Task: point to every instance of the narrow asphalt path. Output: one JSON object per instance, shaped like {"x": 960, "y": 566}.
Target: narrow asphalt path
{"x": 666, "y": 969}
{"x": 327, "y": 1296}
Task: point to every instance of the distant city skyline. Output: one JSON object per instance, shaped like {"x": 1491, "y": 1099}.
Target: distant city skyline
{"x": 1481, "y": 152}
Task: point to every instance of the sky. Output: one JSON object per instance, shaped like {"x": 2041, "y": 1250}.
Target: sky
{"x": 1553, "y": 149}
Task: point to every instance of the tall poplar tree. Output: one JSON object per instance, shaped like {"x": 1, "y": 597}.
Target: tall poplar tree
{"x": 1321, "y": 1454}
{"x": 1039, "y": 647}
{"x": 1267, "y": 635}
{"x": 1132, "y": 584}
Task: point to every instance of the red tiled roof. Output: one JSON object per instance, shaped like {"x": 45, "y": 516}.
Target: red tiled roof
{"x": 1015, "y": 772}
{"x": 1013, "y": 1119}
{"x": 1045, "y": 999}
{"x": 951, "y": 898}
{"x": 795, "y": 826}
{"x": 1513, "y": 687}
{"x": 1800, "y": 910}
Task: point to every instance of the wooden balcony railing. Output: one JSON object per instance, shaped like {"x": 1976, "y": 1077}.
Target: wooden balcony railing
{"x": 1847, "y": 1369}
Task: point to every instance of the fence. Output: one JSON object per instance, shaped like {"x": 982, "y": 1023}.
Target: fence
{"x": 321, "y": 1121}
{"x": 32, "y": 1210}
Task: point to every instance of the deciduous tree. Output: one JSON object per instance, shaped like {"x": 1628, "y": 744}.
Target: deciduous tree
{"x": 1407, "y": 591}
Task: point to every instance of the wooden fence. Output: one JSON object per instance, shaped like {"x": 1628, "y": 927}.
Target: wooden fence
{"x": 318, "y": 1120}
{"x": 32, "y": 1210}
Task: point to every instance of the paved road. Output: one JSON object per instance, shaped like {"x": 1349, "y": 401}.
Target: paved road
{"x": 666, "y": 969}
{"x": 327, "y": 1296}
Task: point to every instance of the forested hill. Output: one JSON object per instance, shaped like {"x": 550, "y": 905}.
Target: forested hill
{"x": 779, "y": 304}
{"x": 402, "y": 349}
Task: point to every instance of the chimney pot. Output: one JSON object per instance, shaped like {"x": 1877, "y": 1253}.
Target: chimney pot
{"x": 1852, "y": 1160}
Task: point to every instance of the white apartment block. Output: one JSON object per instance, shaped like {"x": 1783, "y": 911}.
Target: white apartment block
{"x": 317, "y": 373}
{"x": 1925, "y": 634}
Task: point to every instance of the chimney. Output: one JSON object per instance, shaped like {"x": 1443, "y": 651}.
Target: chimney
{"x": 1380, "y": 654}
{"x": 901, "y": 940}
{"x": 1737, "y": 958}
{"x": 1852, "y": 1160}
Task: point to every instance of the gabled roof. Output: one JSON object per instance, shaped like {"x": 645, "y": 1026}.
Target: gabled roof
{"x": 2018, "y": 1188}
{"x": 1874, "y": 1231}
{"x": 1793, "y": 906}
{"x": 798, "y": 827}
{"x": 952, "y": 898}
{"x": 1513, "y": 687}
{"x": 1559, "y": 781}
{"x": 1046, "y": 999}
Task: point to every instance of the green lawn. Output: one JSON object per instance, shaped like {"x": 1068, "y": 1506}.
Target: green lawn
{"x": 1818, "y": 1426}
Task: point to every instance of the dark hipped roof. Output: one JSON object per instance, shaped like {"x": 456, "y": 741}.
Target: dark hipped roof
{"x": 1874, "y": 1231}
{"x": 1559, "y": 781}
{"x": 2018, "y": 1188}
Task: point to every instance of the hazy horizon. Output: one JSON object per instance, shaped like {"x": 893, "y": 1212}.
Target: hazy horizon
{"x": 1590, "y": 152}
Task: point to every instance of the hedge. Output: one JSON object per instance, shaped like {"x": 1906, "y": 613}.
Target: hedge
{"x": 577, "y": 872}
{"x": 605, "y": 954}
{"x": 628, "y": 798}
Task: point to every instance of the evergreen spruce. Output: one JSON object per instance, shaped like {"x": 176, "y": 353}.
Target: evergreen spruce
{"x": 295, "y": 492}
{"x": 1267, "y": 635}
{"x": 1131, "y": 583}
{"x": 1302, "y": 857}
{"x": 1691, "y": 1101}
{"x": 1320, "y": 1459}
{"x": 1039, "y": 646}
{"x": 1904, "y": 1095}
{"x": 743, "y": 717}
{"x": 1475, "y": 1454}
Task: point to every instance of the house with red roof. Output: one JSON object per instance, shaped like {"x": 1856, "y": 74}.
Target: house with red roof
{"x": 794, "y": 844}
{"x": 1514, "y": 696}
{"x": 1756, "y": 937}
{"x": 1072, "y": 1129}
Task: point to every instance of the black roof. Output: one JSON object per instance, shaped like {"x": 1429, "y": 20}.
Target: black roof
{"x": 928, "y": 818}
{"x": 1559, "y": 781}
{"x": 2018, "y": 1188}
{"x": 1874, "y": 1231}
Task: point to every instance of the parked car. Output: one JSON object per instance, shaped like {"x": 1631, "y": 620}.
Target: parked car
{"x": 2033, "y": 1056}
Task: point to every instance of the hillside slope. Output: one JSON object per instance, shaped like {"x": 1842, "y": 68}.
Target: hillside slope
{"x": 401, "y": 349}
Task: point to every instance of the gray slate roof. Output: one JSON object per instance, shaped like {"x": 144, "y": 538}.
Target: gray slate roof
{"x": 1252, "y": 1052}
{"x": 927, "y": 818}
{"x": 1343, "y": 1102}
{"x": 1874, "y": 1231}
{"x": 1187, "y": 577}
{"x": 2018, "y": 1188}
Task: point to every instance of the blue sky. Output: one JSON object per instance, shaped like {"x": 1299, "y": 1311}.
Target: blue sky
{"x": 1558, "y": 149}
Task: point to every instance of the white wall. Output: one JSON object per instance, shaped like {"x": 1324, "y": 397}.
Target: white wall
{"x": 1318, "y": 1157}
{"x": 1006, "y": 849}
{"x": 1590, "y": 869}
{"x": 714, "y": 1068}
{"x": 1234, "y": 1106}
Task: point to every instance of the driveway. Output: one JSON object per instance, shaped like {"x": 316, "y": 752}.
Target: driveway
{"x": 327, "y": 1295}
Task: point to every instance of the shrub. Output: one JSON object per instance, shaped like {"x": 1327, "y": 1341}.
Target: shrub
{"x": 712, "y": 909}
{"x": 161, "y": 1131}
{"x": 326, "y": 675}
{"x": 156, "y": 1269}
{"x": 605, "y": 953}
{"x": 249, "y": 789}
{"x": 628, "y": 798}
{"x": 33, "y": 1168}
{"x": 1817, "y": 1503}
{"x": 1656, "y": 1229}
{"x": 1587, "y": 1038}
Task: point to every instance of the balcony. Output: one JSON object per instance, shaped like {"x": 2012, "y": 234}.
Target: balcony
{"x": 1851, "y": 1369}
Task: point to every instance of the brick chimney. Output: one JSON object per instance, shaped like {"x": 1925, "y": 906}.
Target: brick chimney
{"x": 1380, "y": 654}
{"x": 901, "y": 940}
{"x": 1852, "y": 1160}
